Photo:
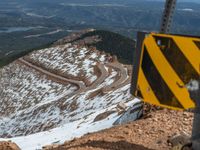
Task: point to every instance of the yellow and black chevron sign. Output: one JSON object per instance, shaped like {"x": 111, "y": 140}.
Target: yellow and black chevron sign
{"x": 167, "y": 63}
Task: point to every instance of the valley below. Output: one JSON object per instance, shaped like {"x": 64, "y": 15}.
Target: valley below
{"x": 30, "y": 25}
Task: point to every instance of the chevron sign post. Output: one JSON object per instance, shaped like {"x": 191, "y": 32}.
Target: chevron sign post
{"x": 164, "y": 65}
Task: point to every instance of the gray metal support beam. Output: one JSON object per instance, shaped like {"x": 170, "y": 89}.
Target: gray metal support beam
{"x": 196, "y": 132}
{"x": 166, "y": 21}
{"x": 194, "y": 89}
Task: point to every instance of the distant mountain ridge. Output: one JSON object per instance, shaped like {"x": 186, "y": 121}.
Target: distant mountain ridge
{"x": 109, "y": 42}
{"x": 48, "y": 21}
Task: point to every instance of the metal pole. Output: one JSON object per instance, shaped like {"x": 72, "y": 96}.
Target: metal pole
{"x": 194, "y": 89}
{"x": 167, "y": 16}
{"x": 196, "y": 132}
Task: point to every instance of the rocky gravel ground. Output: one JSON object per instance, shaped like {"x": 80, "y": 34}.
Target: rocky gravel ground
{"x": 153, "y": 131}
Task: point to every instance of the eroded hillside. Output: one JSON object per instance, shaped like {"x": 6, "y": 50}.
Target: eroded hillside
{"x": 69, "y": 87}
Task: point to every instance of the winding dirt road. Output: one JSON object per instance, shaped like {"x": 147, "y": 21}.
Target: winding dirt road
{"x": 124, "y": 78}
{"x": 54, "y": 77}
{"x": 122, "y": 73}
{"x": 100, "y": 79}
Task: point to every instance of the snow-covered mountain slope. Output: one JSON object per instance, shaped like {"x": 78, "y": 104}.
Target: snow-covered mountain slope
{"x": 69, "y": 88}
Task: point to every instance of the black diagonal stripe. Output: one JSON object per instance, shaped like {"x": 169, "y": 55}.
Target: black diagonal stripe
{"x": 197, "y": 43}
{"x": 158, "y": 85}
{"x": 176, "y": 59}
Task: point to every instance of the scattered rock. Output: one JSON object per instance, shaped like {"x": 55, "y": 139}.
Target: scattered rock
{"x": 132, "y": 114}
{"x": 177, "y": 140}
{"x": 53, "y": 146}
{"x": 122, "y": 106}
{"x": 103, "y": 116}
{"x": 8, "y": 146}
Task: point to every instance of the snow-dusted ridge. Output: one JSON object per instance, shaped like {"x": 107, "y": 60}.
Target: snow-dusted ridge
{"x": 62, "y": 92}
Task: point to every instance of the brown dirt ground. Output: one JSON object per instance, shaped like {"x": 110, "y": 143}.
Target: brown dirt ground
{"x": 8, "y": 146}
{"x": 151, "y": 132}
